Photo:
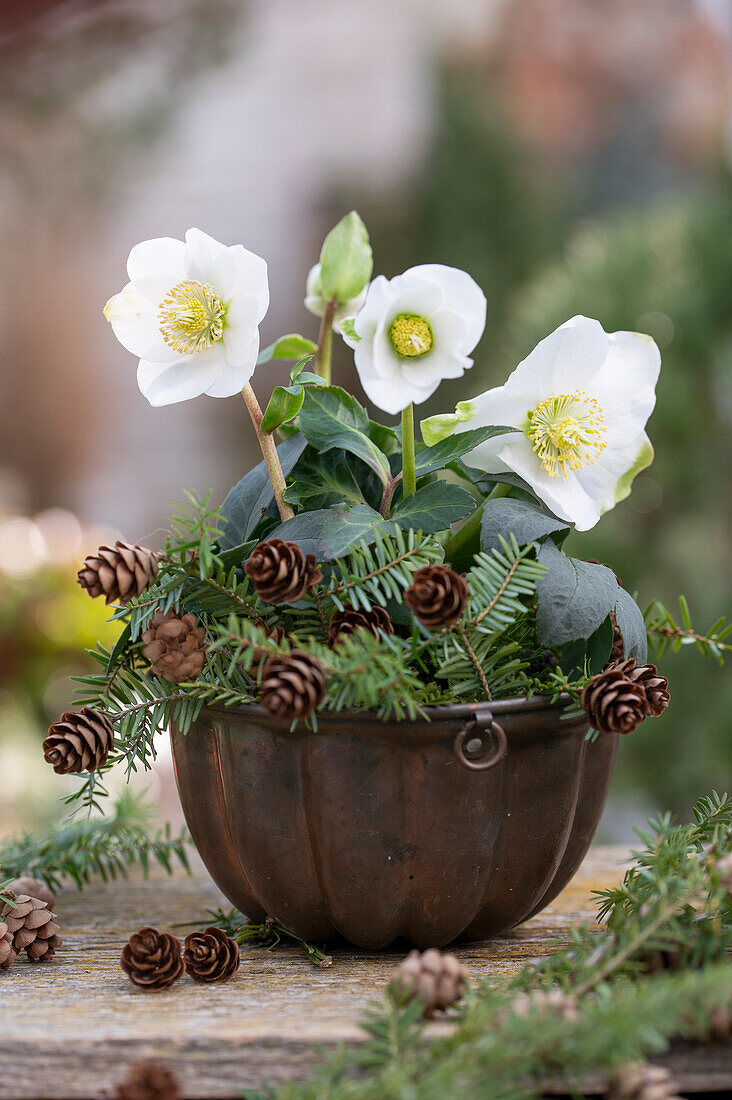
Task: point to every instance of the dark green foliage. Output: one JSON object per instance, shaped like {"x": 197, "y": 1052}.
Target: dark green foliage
{"x": 253, "y": 495}
{"x": 105, "y": 846}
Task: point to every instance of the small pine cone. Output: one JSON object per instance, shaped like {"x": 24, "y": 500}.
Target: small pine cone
{"x": 118, "y": 572}
{"x": 552, "y": 1001}
{"x": 613, "y": 703}
{"x": 280, "y": 572}
{"x": 174, "y": 645}
{"x": 655, "y": 686}
{"x": 79, "y": 742}
{"x": 210, "y": 956}
{"x": 292, "y": 686}
{"x": 8, "y": 954}
{"x": 32, "y": 926}
{"x": 437, "y": 596}
{"x": 26, "y": 884}
{"x": 348, "y": 621}
{"x": 148, "y": 1081}
{"x": 437, "y": 980}
{"x": 643, "y": 1081}
{"x": 152, "y": 959}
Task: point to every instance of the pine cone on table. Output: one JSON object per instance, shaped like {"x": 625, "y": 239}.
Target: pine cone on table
{"x": 26, "y": 884}
{"x": 148, "y": 1081}
{"x": 8, "y": 954}
{"x": 33, "y": 927}
{"x": 280, "y": 572}
{"x": 79, "y": 742}
{"x": 437, "y": 596}
{"x": 292, "y": 686}
{"x": 152, "y": 959}
{"x": 553, "y": 1001}
{"x": 437, "y": 980}
{"x": 347, "y": 622}
{"x": 643, "y": 1081}
{"x": 119, "y": 572}
{"x": 613, "y": 703}
{"x": 210, "y": 956}
{"x": 654, "y": 686}
{"x": 175, "y": 646}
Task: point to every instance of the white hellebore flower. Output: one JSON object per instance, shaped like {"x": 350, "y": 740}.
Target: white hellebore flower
{"x": 191, "y": 313}
{"x": 316, "y": 303}
{"x": 413, "y": 331}
{"x": 581, "y": 401}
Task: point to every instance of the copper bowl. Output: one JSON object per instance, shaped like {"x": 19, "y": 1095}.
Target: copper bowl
{"x": 459, "y": 827}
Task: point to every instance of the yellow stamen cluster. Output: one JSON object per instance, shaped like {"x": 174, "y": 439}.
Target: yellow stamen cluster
{"x": 191, "y": 317}
{"x": 567, "y": 432}
{"x": 411, "y": 335}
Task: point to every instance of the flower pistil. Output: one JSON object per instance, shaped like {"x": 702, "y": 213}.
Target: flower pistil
{"x": 567, "y": 432}
{"x": 411, "y": 335}
{"x": 191, "y": 317}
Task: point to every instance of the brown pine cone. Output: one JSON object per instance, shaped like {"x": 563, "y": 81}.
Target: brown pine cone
{"x": 643, "y": 1081}
{"x": 79, "y": 742}
{"x": 148, "y": 1081}
{"x": 614, "y": 704}
{"x": 152, "y": 959}
{"x": 8, "y": 954}
{"x": 292, "y": 686}
{"x": 351, "y": 619}
{"x": 437, "y": 980}
{"x": 720, "y": 1030}
{"x": 174, "y": 645}
{"x": 437, "y": 596}
{"x": 26, "y": 884}
{"x": 280, "y": 572}
{"x": 119, "y": 572}
{"x": 554, "y": 1001}
{"x": 32, "y": 926}
{"x": 655, "y": 686}
{"x": 210, "y": 956}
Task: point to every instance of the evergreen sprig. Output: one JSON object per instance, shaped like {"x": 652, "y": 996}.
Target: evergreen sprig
{"x": 665, "y": 632}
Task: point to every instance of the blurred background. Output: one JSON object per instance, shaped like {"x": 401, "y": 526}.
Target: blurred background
{"x": 573, "y": 155}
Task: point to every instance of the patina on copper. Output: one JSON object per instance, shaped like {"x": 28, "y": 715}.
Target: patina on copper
{"x": 460, "y": 827}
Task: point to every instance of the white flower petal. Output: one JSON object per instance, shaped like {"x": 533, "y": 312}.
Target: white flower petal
{"x": 250, "y": 278}
{"x": 189, "y": 376}
{"x": 160, "y": 256}
{"x": 134, "y": 321}
{"x": 565, "y": 496}
{"x": 241, "y": 333}
{"x": 427, "y": 371}
{"x": 567, "y": 360}
{"x": 626, "y": 388}
{"x": 378, "y": 301}
{"x": 233, "y": 378}
{"x": 610, "y": 478}
{"x": 460, "y": 294}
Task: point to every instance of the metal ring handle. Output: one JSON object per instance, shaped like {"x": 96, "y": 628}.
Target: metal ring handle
{"x": 479, "y": 726}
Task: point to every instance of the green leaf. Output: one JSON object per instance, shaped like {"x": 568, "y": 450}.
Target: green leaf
{"x": 247, "y": 502}
{"x": 344, "y": 527}
{"x": 434, "y": 458}
{"x": 434, "y": 507}
{"x": 574, "y": 597}
{"x": 304, "y": 529}
{"x": 292, "y": 346}
{"x": 286, "y": 401}
{"x": 528, "y": 522}
{"x": 348, "y": 329}
{"x": 346, "y": 261}
{"x": 324, "y": 479}
{"x": 331, "y": 418}
{"x": 632, "y": 626}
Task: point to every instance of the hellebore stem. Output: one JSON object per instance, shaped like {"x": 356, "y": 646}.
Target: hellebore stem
{"x": 472, "y": 524}
{"x": 324, "y": 353}
{"x": 269, "y": 453}
{"x": 409, "y": 473}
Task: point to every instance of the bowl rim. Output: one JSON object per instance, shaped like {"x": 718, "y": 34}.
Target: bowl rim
{"x": 519, "y": 704}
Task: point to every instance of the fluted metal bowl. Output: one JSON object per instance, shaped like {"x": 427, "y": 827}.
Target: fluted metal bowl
{"x": 459, "y": 827}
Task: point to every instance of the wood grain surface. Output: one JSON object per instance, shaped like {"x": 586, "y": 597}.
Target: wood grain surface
{"x": 69, "y": 1028}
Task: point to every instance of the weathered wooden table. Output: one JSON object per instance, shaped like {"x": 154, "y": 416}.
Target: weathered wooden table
{"x": 70, "y": 1028}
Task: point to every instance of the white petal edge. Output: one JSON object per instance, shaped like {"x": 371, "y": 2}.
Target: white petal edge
{"x": 462, "y": 295}
{"x": 159, "y": 256}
